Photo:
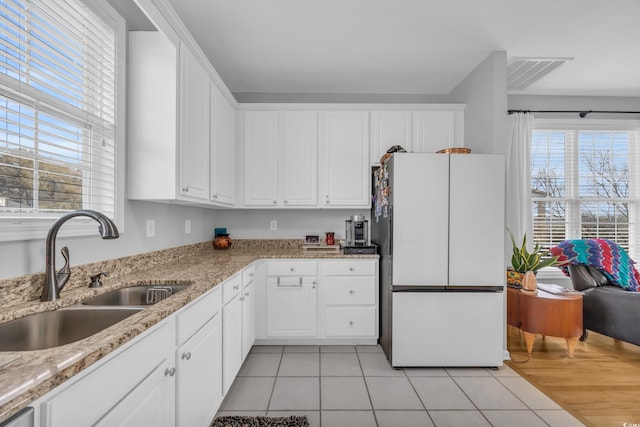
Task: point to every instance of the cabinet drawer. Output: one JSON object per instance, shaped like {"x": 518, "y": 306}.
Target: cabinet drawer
{"x": 349, "y": 290}
{"x": 248, "y": 275}
{"x": 231, "y": 287}
{"x": 350, "y": 268}
{"x": 352, "y": 321}
{"x": 196, "y": 314}
{"x": 292, "y": 268}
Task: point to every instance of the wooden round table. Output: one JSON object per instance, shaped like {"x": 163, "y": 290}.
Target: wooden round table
{"x": 544, "y": 313}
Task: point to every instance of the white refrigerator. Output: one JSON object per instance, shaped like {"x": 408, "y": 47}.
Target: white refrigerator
{"x": 439, "y": 222}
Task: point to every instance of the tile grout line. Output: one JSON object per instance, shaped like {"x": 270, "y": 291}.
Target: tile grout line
{"x": 366, "y": 386}
{"x": 275, "y": 380}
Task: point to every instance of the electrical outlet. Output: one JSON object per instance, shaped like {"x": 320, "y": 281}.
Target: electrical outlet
{"x": 151, "y": 228}
{"x": 187, "y": 226}
{"x": 274, "y": 224}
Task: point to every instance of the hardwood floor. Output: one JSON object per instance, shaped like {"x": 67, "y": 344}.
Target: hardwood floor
{"x": 601, "y": 384}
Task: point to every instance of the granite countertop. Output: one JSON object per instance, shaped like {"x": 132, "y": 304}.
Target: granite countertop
{"x": 27, "y": 375}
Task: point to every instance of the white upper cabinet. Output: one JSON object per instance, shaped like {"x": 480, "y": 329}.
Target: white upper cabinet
{"x": 344, "y": 159}
{"x": 299, "y": 158}
{"x": 280, "y": 158}
{"x": 222, "y": 133}
{"x": 194, "y": 128}
{"x": 389, "y": 128}
{"x": 435, "y": 130}
{"x": 181, "y": 129}
{"x": 261, "y": 158}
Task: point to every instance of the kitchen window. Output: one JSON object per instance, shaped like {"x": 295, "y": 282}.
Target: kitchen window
{"x": 584, "y": 181}
{"x": 61, "y": 127}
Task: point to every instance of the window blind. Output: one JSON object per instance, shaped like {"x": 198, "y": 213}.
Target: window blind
{"x": 584, "y": 185}
{"x": 57, "y": 109}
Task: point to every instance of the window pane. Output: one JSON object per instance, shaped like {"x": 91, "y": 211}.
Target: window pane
{"x": 548, "y": 164}
{"x": 549, "y": 223}
{"x": 16, "y": 182}
{"x": 606, "y": 220}
{"x": 603, "y": 164}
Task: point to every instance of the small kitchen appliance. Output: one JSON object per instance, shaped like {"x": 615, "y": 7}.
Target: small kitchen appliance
{"x": 357, "y": 236}
{"x": 356, "y": 231}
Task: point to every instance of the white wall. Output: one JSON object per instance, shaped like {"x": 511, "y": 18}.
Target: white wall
{"x": 292, "y": 224}
{"x": 27, "y": 257}
{"x": 484, "y": 91}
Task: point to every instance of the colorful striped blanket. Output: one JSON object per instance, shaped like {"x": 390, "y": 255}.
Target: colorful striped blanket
{"x": 605, "y": 255}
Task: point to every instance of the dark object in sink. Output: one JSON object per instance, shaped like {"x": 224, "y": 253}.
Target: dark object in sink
{"x": 135, "y": 295}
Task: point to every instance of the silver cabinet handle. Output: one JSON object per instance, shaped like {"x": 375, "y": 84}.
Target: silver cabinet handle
{"x": 236, "y": 287}
{"x": 275, "y": 202}
{"x": 352, "y": 269}
{"x": 185, "y": 189}
{"x": 214, "y": 196}
{"x": 295, "y": 284}
{"x": 351, "y": 292}
{"x": 186, "y": 355}
{"x": 351, "y": 323}
{"x": 246, "y": 294}
{"x": 291, "y": 269}
{"x": 286, "y": 201}
{"x": 169, "y": 372}
{"x": 241, "y": 298}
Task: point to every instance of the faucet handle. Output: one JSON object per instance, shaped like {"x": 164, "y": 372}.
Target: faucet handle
{"x": 65, "y": 268}
{"x": 95, "y": 280}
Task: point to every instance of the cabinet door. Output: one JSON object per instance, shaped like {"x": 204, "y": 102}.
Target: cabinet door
{"x": 291, "y": 306}
{"x": 344, "y": 162}
{"x": 194, "y": 128}
{"x": 261, "y": 158}
{"x": 199, "y": 375}
{"x": 477, "y": 220}
{"x": 435, "y": 130}
{"x": 299, "y": 158}
{"x": 231, "y": 342}
{"x": 222, "y": 149}
{"x": 389, "y": 128}
{"x": 150, "y": 403}
{"x": 248, "y": 318}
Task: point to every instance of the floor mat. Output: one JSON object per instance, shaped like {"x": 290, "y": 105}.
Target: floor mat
{"x": 244, "y": 421}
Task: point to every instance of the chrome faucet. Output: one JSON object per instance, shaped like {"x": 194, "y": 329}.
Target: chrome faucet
{"x": 54, "y": 282}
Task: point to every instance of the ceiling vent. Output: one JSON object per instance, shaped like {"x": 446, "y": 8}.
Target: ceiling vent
{"x": 522, "y": 72}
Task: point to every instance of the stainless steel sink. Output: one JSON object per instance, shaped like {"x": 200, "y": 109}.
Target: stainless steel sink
{"x": 135, "y": 295}
{"x": 54, "y": 328}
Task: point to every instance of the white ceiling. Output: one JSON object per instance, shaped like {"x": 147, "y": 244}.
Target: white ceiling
{"x": 413, "y": 46}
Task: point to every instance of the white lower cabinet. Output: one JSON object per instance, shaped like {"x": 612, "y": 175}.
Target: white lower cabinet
{"x": 149, "y": 403}
{"x": 349, "y": 303}
{"x": 291, "y": 298}
{"x": 199, "y": 375}
{"x": 248, "y": 299}
{"x": 231, "y": 331}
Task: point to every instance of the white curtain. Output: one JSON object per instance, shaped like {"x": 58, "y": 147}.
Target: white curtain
{"x": 519, "y": 209}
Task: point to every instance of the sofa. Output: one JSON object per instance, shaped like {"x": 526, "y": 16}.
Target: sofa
{"x": 607, "y": 309}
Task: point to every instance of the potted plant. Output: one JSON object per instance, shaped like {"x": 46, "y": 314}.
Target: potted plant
{"x": 523, "y": 261}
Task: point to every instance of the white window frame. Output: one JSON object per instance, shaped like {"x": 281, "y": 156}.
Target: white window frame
{"x": 634, "y": 165}
{"x": 36, "y": 227}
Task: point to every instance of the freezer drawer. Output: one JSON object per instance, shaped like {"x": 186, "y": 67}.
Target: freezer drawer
{"x": 447, "y": 329}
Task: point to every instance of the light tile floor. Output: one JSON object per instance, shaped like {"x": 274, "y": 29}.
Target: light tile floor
{"x": 355, "y": 386}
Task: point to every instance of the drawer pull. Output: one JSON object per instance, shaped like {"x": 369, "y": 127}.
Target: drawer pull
{"x": 291, "y": 269}
{"x": 352, "y": 269}
{"x": 299, "y": 284}
{"x": 169, "y": 372}
{"x": 246, "y": 294}
{"x": 236, "y": 287}
{"x": 350, "y": 322}
{"x": 186, "y": 355}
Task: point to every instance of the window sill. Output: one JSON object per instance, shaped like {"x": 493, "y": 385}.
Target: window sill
{"x": 13, "y": 230}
